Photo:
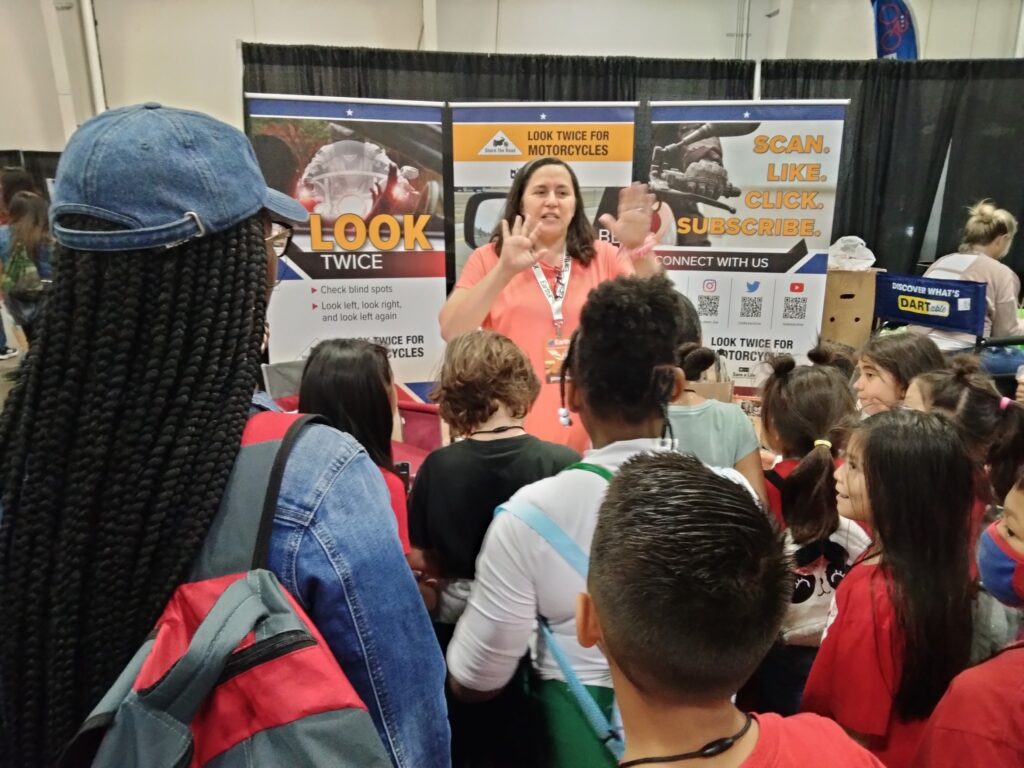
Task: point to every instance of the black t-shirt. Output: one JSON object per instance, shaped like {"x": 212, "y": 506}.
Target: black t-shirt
{"x": 459, "y": 486}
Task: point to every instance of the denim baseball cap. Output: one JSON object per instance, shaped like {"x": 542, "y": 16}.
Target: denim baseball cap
{"x": 165, "y": 175}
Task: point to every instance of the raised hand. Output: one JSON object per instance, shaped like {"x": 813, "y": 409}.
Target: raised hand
{"x": 519, "y": 246}
{"x": 633, "y": 224}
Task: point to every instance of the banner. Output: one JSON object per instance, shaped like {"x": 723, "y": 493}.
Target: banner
{"x": 370, "y": 263}
{"x": 952, "y": 305}
{"x": 746, "y": 195}
{"x": 895, "y": 37}
{"x": 492, "y": 141}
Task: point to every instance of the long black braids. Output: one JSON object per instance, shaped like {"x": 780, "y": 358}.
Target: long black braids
{"x": 115, "y": 448}
{"x": 623, "y": 353}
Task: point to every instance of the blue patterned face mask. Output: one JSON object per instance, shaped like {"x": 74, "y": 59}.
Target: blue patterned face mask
{"x": 1001, "y": 568}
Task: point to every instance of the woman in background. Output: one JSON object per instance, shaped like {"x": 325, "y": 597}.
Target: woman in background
{"x": 349, "y": 382}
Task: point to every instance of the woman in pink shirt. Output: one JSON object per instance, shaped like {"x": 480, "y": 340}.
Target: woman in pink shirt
{"x": 531, "y": 281}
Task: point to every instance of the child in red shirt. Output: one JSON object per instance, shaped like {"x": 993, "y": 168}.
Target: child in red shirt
{"x": 806, "y": 413}
{"x": 682, "y": 633}
{"x": 980, "y": 720}
{"x": 901, "y": 628}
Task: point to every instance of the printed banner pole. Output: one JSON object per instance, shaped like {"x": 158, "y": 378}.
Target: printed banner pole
{"x": 371, "y": 262}
{"x": 746, "y": 194}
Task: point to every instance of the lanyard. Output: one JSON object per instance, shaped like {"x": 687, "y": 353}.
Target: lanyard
{"x": 561, "y": 286}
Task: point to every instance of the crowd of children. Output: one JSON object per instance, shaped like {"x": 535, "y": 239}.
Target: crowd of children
{"x": 660, "y": 599}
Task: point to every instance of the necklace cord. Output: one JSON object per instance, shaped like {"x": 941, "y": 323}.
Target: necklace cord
{"x": 711, "y": 749}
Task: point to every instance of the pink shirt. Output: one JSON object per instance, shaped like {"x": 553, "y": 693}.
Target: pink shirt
{"x": 522, "y": 313}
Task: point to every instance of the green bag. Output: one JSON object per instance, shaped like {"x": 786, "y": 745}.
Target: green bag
{"x": 21, "y": 276}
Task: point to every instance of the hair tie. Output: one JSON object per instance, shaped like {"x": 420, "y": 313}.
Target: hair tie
{"x": 1004, "y": 403}
{"x": 826, "y": 443}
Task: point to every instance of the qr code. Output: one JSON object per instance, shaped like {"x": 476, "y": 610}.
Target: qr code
{"x": 707, "y": 306}
{"x": 750, "y": 306}
{"x": 795, "y": 308}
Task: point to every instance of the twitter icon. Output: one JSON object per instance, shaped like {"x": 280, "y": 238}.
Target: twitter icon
{"x": 752, "y": 287}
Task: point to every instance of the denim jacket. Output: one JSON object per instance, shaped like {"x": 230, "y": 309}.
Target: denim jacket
{"x": 335, "y": 547}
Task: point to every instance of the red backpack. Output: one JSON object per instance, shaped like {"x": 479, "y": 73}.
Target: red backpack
{"x": 234, "y": 673}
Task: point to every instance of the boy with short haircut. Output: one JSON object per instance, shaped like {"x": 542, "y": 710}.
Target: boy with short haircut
{"x": 688, "y": 587}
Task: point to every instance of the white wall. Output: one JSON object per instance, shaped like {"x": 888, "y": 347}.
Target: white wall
{"x": 186, "y": 52}
{"x": 656, "y": 28}
{"x": 30, "y": 116}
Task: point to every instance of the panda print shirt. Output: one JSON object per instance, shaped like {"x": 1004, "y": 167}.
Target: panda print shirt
{"x": 818, "y": 569}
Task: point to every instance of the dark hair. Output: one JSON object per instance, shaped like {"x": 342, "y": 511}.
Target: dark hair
{"x": 920, "y": 484}
{"x": 694, "y": 360}
{"x": 802, "y": 404}
{"x": 346, "y": 381}
{"x": 904, "y": 355}
{"x": 277, "y": 162}
{"x": 579, "y": 240}
{"x": 993, "y": 434}
{"x": 840, "y": 356}
{"x": 691, "y": 626}
{"x": 115, "y": 448}
{"x": 12, "y": 181}
{"x": 622, "y": 355}
{"x": 481, "y": 370}
{"x": 28, "y": 214}
{"x": 690, "y": 331}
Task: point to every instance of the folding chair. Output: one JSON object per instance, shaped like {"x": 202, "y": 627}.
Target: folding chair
{"x": 949, "y": 305}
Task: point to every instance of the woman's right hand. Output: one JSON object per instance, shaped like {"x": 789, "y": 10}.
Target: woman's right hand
{"x": 518, "y": 246}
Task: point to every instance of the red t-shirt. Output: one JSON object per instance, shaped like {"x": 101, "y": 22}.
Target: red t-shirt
{"x": 980, "y": 720}
{"x": 783, "y": 468}
{"x": 522, "y": 313}
{"x": 805, "y": 740}
{"x": 857, "y": 671}
{"x": 396, "y": 489}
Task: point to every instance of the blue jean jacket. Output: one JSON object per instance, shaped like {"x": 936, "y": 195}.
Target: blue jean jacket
{"x": 335, "y": 547}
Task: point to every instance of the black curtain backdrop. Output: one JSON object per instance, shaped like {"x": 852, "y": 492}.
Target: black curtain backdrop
{"x": 898, "y": 128}
{"x": 427, "y": 76}
{"x": 40, "y": 165}
{"x": 986, "y": 157}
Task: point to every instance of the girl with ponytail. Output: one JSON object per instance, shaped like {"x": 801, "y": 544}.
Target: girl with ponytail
{"x": 719, "y": 434}
{"x": 807, "y": 412}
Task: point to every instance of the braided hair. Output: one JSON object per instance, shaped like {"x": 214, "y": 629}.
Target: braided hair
{"x": 115, "y": 449}
{"x": 622, "y": 355}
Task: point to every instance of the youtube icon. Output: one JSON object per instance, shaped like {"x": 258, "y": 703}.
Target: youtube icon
{"x": 796, "y": 287}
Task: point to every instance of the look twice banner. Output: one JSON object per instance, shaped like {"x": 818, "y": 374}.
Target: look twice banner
{"x": 492, "y": 141}
{"x": 746, "y": 195}
{"x": 370, "y": 263}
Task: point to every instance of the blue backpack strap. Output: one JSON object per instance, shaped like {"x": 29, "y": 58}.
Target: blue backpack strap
{"x": 578, "y": 560}
{"x": 600, "y": 724}
{"x": 549, "y": 530}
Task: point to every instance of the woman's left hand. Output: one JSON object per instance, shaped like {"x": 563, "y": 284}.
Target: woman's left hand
{"x": 633, "y": 224}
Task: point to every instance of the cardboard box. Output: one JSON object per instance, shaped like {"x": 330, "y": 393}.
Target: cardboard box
{"x": 849, "y": 306}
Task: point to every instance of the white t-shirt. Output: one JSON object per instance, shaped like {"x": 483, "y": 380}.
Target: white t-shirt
{"x": 816, "y": 583}
{"x": 519, "y": 575}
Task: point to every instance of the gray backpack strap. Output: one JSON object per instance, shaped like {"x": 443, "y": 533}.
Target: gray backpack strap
{"x": 239, "y": 537}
